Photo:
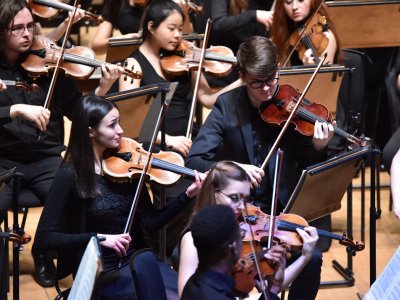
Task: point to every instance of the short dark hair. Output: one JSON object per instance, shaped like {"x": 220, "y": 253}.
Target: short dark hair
{"x": 8, "y": 10}
{"x": 213, "y": 229}
{"x": 88, "y": 113}
{"x": 258, "y": 56}
{"x": 157, "y": 11}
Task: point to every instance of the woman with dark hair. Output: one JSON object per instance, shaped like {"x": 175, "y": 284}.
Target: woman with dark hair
{"x": 83, "y": 203}
{"x": 23, "y": 114}
{"x": 162, "y": 31}
{"x": 229, "y": 184}
{"x": 289, "y": 15}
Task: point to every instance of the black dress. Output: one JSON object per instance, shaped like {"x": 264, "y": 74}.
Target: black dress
{"x": 68, "y": 222}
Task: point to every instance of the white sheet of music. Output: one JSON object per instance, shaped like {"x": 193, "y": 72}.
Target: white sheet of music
{"x": 85, "y": 278}
{"x": 387, "y": 285}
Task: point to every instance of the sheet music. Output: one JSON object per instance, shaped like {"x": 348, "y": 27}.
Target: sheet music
{"x": 387, "y": 286}
{"x": 88, "y": 268}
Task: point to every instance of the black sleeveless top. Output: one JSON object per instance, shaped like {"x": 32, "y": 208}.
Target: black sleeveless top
{"x": 178, "y": 112}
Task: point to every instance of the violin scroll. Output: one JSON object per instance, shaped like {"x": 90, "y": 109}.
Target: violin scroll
{"x": 351, "y": 247}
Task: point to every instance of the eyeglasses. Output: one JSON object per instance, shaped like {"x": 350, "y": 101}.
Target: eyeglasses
{"x": 258, "y": 84}
{"x": 237, "y": 198}
{"x": 20, "y": 28}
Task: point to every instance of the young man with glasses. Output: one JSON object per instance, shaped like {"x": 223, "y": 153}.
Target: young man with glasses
{"x": 23, "y": 117}
{"x": 235, "y": 131}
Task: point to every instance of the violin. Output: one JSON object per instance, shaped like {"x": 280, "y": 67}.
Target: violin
{"x": 77, "y": 62}
{"x": 20, "y": 85}
{"x": 278, "y": 110}
{"x": 311, "y": 37}
{"x": 218, "y": 62}
{"x": 245, "y": 270}
{"x": 48, "y": 9}
{"x": 166, "y": 167}
{"x": 285, "y": 230}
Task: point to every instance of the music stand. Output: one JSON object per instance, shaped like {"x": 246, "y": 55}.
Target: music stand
{"x": 319, "y": 192}
{"x": 17, "y": 178}
{"x": 356, "y": 26}
{"x": 88, "y": 271}
{"x": 134, "y": 106}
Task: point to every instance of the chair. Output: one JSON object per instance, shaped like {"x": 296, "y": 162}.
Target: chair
{"x": 147, "y": 276}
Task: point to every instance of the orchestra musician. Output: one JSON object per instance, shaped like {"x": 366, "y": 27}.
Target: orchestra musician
{"x": 83, "y": 203}
{"x": 391, "y": 161}
{"x": 218, "y": 245}
{"x": 25, "y": 117}
{"x": 230, "y": 186}
{"x": 162, "y": 30}
{"x": 289, "y": 16}
{"x": 234, "y": 130}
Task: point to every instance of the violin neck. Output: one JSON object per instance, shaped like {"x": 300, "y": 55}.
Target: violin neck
{"x": 310, "y": 117}
{"x": 167, "y": 166}
{"x": 54, "y": 4}
{"x": 309, "y": 45}
{"x": 284, "y": 225}
{"x": 72, "y": 58}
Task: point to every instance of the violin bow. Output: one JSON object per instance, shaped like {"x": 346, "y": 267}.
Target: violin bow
{"x": 196, "y": 86}
{"x": 57, "y": 68}
{"x": 302, "y": 33}
{"x": 292, "y": 113}
{"x": 275, "y": 189}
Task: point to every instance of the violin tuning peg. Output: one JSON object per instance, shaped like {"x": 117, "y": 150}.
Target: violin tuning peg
{"x": 125, "y": 78}
{"x": 125, "y": 64}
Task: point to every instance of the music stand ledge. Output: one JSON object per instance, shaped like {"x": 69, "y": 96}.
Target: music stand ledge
{"x": 319, "y": 192}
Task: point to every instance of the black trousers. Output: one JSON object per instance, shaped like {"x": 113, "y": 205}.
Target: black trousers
{"x": 37, "y": 177}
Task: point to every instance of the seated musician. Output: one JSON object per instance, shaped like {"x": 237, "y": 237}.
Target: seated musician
{"x": 162, "y": 31}
{"x": 234, "y": 130}
{"x": 289, "y": 16}
{"x": 229, "y": 184}
{"x": 83, "y": 203}
{"x": 23, "y": 116}
{"x": 217, "y": 237}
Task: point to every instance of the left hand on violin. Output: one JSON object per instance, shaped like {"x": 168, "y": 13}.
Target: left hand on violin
{"x": 323, "y": 132}
{"x": 195, "y": 187}
{"x": 110, "y": 73}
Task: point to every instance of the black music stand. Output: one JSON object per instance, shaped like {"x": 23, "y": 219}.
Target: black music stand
{"x": 147, "y": 116}
{"x": 319, "y": 192}
{"x": 4, "y": 178}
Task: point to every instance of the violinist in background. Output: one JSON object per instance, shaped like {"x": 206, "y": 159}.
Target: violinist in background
{"x": 25, "y": 117}
{"x": 234, "y": 130}
{"x": 83, "y": 202}
{"x": 228, "y": 184}
{"x": 124, "y": 15}
{"x": 162, "y": 31}
{"x": 289, "y": 16}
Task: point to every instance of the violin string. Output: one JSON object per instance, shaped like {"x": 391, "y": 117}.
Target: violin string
{"x": 218, "y": 56}
{"x": 292, "y": 227}
{"x": 307, "y": 115}
{"x": 172, "y": 167}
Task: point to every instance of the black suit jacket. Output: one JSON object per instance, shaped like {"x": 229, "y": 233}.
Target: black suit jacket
{"x": 227, "y": 134}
